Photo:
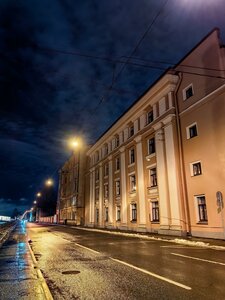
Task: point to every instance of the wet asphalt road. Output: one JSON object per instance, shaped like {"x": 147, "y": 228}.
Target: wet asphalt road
{"x": 79, "y": 264}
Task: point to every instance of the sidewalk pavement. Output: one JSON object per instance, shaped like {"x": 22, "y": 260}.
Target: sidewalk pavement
{"x": 189, "y": 240}
{"x": 18, "y": 275}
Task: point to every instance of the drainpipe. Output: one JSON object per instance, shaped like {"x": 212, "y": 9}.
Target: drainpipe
{"x": 181, "y": 159}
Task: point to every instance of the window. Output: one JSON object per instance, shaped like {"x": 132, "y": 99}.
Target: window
{"x": 106, "y": 149}
{"x": 118, "y": 213}
{"x": 97, "y": 215}
{"x": 202, "y": 210}
{"x": 192, "y": 131}
{"x": 97, "y": 174}
{"x": 151, "y": 146}
{"x": 188, "y": 92}
{"x": 106, "y": 170}
{"x": 133, "y": 212}
{"x": 131, "y": 131}
{"x": 97, "y": 193}
{"x": 153, "y": 177}
{"x": 106, "y": 190}
{"x": 97, "y": 156}
{"x": 150, "y": 117}
{"x": 117, "y": 163}
{"x": 196, "y": 169}
{"x": 132, "y": 183}
{"x": 106, "y": 214}
{"x": 155, "y": 211}
{"x": 117, "y": 188}
{"x": 117, "y": 141}
{"x": 132, "y": 156}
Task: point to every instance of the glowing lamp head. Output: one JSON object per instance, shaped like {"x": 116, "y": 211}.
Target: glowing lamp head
{"x": 38, "y": 194}
{"x": 49, "y": 182}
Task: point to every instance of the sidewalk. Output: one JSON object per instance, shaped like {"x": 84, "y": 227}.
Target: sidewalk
{"x": 189, "y": 241}
{"x": 18, "y": 275}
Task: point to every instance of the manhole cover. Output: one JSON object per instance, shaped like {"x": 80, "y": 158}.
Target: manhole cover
{"x": 69, "y": 272}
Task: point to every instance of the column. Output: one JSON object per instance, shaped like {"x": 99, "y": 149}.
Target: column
{"x": 172, "y": 173}
{"x": 141, "y": 186}
{"x": 123, "y": 187}
{"x": 110, "y": 191}
{"x": 100, "y": 195}
{"x": 162, "y": 178}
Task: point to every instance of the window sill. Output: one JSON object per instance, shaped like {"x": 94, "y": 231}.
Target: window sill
{"x": 152, "y": 187}
{"x": 155, "y": 222}
{"x": 117, "y": 171}
{"x": 131, "y": 165}
{"x": 133, "y": 221}
{"x": 202, "y": 223}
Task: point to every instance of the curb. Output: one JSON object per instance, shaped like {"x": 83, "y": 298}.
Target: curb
{"x": 44, "y": 285}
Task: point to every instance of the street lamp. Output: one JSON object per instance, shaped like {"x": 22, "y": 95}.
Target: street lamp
{"x": 49, "y": 182}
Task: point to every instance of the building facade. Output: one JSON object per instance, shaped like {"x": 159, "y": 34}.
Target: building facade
{"x": 161, "y": 166}
{"x": 70, "y": 203}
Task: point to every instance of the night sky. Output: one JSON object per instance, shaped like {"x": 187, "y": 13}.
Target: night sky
{"x": 59, "y": 66}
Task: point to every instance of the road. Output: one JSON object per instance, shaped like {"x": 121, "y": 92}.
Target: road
{"x": 81, "y": 264}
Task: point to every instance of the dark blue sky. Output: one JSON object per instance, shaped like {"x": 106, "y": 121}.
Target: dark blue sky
{"x": 48, "y": 96}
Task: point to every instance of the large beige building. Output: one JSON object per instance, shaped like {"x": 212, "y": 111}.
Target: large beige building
{"x": 161, "y": 166}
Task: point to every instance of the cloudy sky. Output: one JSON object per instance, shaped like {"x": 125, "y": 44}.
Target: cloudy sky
{"x": 60, "y": 74}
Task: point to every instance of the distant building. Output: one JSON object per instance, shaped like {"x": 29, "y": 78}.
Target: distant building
{"x": 161, "y": 166}
{"x": 70, "y": 204}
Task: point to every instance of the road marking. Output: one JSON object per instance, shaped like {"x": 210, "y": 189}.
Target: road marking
{"x": 87, "y": 248}
{"x": 181, "y": 247}
{"x": 153, "y": 274}
{"x": 201, "y": 259}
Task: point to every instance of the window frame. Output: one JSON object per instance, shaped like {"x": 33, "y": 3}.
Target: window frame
{"x": 150, "y": 119}
{"x": 131, "y": 156}
{"x": 133, "y": 184}
{"x": 117, "y": 187}
{"x": 192, "y": 166}
{"x": 153, "y": 177}
{"x": 184, "y": 92}
{"x": 201, "y": 209}
{"x": 151, "y": 145}
{"x": 188, "y": 128}
{"x": 133, "y": 212}
{"x": 155, "y": 213}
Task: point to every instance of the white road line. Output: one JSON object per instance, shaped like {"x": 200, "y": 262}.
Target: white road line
{"x": 201, "y": 259}
{"x": 181, "y": 247}
{"x": 153, "y": 274}
{"x": 87, "y": 248}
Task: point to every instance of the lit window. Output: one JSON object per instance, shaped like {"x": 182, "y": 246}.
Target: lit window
{"x": 118, "y": 213}
{"x": 196, "y": 169}
{"x": 188, "y": 92}
{"x": 202, "y": 209}
{"x": 155, "y": 211}
{"x": 133, "y": 212}
{"x": 132, "y": 156}
{"x": 153, "y": 177}
{"x": 150, "y": 117}
{"x": 151, "y": 146}
{"x": 117, "y": 188}
{"x": 132, "y": 183}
